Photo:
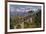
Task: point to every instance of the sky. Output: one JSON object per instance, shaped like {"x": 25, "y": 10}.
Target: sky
{"x": 23, "y": 8}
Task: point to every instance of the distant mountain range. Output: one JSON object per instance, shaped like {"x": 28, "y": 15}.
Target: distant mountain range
{"x": 15, "y": 13}
{"x": 18, "y": 13}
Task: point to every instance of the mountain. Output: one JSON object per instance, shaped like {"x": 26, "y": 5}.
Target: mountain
{"x": 15, "y": 13}
{"x": 18, "y": 13}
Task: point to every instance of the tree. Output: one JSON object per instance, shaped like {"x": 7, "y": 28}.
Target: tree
{"x": 38, "y": 18}
{"x": 11, "y": 24}
{"x": 30, "y": 13}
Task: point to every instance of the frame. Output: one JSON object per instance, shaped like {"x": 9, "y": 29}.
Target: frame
{"x": 33, "y": 8}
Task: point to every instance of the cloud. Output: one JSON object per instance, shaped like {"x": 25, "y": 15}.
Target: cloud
{"x": 12, "y": 9}
{"x": 18, "y": 10}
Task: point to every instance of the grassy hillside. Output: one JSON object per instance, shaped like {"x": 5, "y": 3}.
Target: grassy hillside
{"x": 19, "y": 22}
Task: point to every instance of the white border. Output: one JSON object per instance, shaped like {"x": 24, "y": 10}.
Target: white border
{"x": 16, "y": 30}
